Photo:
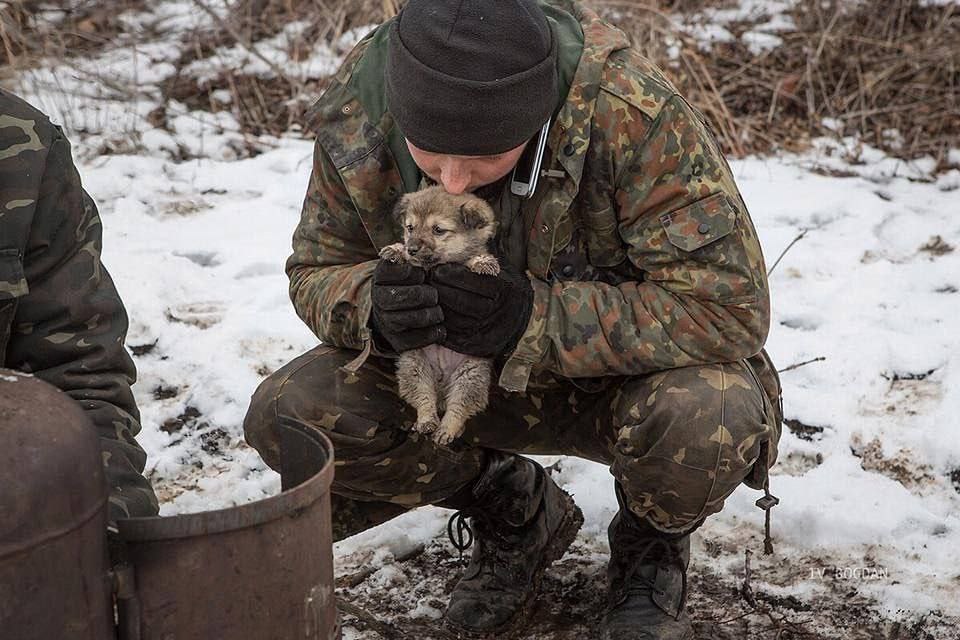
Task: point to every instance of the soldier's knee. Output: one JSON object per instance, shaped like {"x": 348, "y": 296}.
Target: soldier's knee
{"x": 260, "y": 423}
{"x": 291, "y": 391}
{"x": 688, "y": 438}
{"x": 350, "y": 408}
{"x": 689, "y": 408}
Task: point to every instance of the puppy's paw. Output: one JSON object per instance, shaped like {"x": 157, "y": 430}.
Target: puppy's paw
{"x": 394, "y": 252}
{"x": 426, "y": 427}
{"x": 448, "y": 432}
{"x": 485, "y": 265}
{"x": 443, "y": 438}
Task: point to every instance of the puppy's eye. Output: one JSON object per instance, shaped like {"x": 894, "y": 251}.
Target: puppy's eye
{"x": 437, "y": 231}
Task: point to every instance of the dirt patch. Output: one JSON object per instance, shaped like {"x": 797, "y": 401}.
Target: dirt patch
{"x": 411, "y": 597}
{"x": 901, "y": 466}
{"x": 808, "y": 432}
{"x": 937, "y": 246}
{"x": 188, "y": 420}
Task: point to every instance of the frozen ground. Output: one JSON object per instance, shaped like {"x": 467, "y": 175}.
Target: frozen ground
{"x": 868, "y": 530}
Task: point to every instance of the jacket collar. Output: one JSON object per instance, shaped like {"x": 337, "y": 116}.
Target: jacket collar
{"x": 570, "y": 134}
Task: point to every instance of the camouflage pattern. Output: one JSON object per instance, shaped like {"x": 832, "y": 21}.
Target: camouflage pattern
{"x": 60, "y": 316}
{"x": 678, "y": 441}
{"x": 673, "y": 273}
{"x": 641, "y": 253}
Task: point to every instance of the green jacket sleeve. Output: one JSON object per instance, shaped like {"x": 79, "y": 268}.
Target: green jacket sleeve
{"x": 703, "y": 297}
{"x": 69, "y": 329}
{"x": 333, "y": 260}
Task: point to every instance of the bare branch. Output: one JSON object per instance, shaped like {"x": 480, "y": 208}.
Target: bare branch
{"x": 800, "y": 364}
{"x": 243, "y": 42}
{"x": 784, "y": 252}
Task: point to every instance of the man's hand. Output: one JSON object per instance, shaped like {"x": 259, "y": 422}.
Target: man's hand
{"x": 405, "y": 311}
{"x": 484, "y": 316}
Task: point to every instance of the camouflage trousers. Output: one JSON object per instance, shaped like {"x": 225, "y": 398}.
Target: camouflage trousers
{"x": 678, "y": 441}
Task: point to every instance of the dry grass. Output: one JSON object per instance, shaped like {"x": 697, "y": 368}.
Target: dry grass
{"x": 892, "y": 76}
{"x": 848, "y": 68}
{"x": 31, "y": 30}
{"x": 275, "y": 104}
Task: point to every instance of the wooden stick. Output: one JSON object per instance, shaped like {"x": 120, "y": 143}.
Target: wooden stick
{"x": 800, "y": 364}
{"x": 352, "y": 580}
{"x": 784, "y": 252}
{"x": 392, "y": 631}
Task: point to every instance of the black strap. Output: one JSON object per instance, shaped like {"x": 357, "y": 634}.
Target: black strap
{"x": 767, "y": 502}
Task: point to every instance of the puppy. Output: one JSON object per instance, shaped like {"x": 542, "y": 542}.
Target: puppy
{"x": 439, "y": 228}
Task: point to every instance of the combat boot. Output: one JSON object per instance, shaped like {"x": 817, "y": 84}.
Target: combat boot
{"x": 521, "y": 521}
{"x": 647, "y": 580}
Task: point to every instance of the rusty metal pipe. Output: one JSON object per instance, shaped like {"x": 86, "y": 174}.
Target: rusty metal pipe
{"x": 259, "y": 571}
{"x": 53, "y": 556}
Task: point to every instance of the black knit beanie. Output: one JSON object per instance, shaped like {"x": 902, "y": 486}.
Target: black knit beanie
{"x": 471, "y": 77}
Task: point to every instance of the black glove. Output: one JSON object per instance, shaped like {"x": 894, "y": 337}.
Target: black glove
{"x": 484, "y": 316}
{"x": 405, "y": 312}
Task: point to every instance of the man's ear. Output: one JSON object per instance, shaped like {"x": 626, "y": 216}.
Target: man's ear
{"x": 474, "y": 215}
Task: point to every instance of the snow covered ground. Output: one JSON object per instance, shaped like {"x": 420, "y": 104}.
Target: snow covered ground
{"x": 868, "y": 530}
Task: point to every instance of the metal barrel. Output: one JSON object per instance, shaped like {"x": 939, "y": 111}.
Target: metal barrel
{"x": 54, "y": 580}
{"x": 259, "y": 571}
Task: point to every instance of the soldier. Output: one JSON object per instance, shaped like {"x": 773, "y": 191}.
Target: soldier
{"x": 627, "y": 324}
{"x": 60, "y": 316}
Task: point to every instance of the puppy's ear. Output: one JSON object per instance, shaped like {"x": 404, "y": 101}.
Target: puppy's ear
{"x": 475, "y": 215}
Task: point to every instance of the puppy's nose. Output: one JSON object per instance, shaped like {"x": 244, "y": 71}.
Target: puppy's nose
{"x": 413, "y": 250}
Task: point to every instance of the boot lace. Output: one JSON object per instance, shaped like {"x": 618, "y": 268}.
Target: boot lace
{"x": 498, "y": 551}
{"x": 460, "y": 534}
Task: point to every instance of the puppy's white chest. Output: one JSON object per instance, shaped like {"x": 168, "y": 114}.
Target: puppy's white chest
{"x": 443, "y": 359}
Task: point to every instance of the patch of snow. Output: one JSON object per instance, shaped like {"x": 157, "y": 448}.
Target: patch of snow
{"x": 197, "y": 248}
{"x": 758, "y": 41}
{"x": 321, "y": 62}
{"x": 708, "y": 34}
{"x": 857, "y": 290}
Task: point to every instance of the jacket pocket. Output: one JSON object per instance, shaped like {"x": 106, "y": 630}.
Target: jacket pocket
{"x": 706, "y": 249}
{"x": 700, "y": 223}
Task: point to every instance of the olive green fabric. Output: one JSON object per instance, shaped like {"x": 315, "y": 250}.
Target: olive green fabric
{"x": 640, "y": 250}
{"x": 678, "y": 441}
{"x": 651, "y": 301}
{"x": 60, "y": 316}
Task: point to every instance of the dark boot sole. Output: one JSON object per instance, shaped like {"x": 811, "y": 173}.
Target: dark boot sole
{"x": 558, "y": 545}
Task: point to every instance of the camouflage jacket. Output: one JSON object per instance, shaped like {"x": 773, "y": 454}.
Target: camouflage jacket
{"x": 60, "y": 316}
{"x": 641, "y": 252}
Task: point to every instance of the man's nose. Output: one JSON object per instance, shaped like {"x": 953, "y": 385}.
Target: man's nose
{"x": 454, "y": 178}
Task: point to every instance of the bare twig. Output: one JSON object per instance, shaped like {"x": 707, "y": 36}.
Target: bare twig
{"x": 784, "y": 252}
{"x": 800, "y": 364}
{"x": 393, "y": 631}
{"x": 352, "y": 580}
{"x": 746, "y": 591}
{"x": 243, "y": 42}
